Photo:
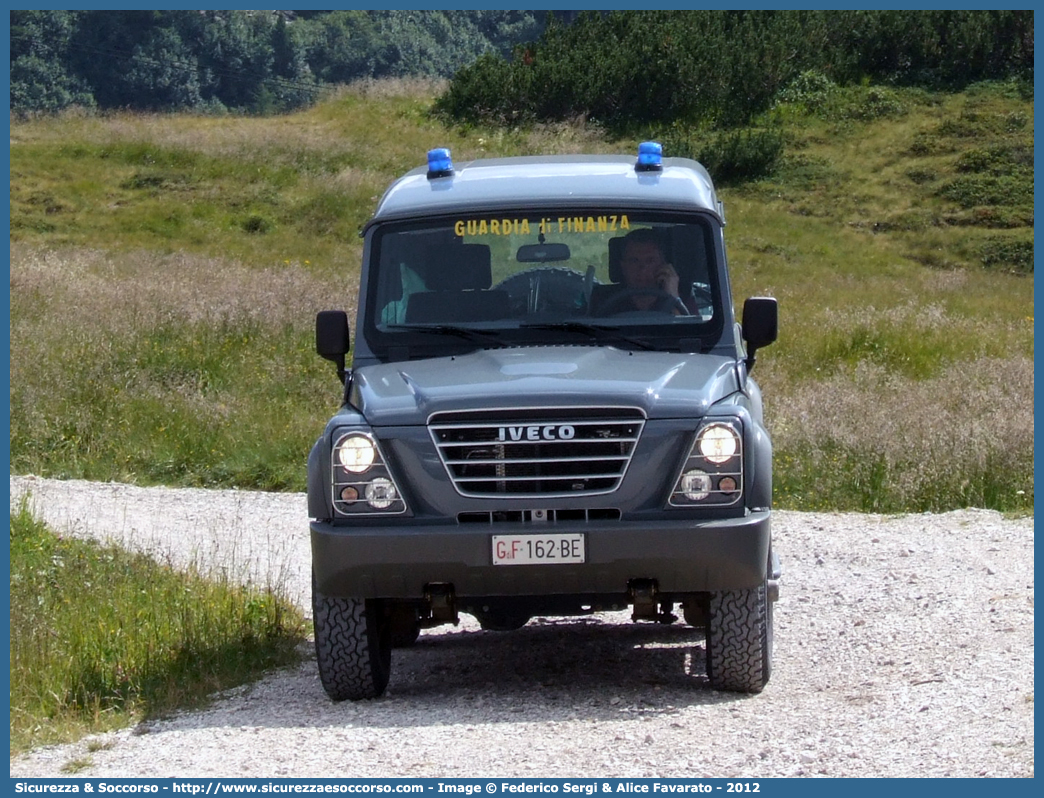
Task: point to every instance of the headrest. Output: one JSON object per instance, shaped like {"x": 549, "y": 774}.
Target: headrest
{"x": 461, "y": 267}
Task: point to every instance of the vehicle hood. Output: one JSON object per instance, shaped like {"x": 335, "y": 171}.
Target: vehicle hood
{"x": 662, "y": 384}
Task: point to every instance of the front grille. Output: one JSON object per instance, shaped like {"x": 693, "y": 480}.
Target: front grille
{"x": 548, "y": 452}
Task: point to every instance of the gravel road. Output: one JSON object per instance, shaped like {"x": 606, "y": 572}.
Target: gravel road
{"x": 904, "y": 648}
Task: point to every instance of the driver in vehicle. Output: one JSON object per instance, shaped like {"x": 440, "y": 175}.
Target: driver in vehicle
{"x": 648, "y": 280}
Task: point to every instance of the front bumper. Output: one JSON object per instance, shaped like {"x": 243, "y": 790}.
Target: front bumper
{"x": 682, "y": 556}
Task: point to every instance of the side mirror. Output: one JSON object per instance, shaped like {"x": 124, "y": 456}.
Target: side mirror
{"x": 760, "y": 324}
{"x": 332, "y": 340}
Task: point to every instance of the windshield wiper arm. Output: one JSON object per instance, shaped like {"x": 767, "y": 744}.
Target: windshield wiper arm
{"x": 467, "y": 333}
{"x": 599, "y": 332}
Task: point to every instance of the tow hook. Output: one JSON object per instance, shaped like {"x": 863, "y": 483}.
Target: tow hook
{"x": 647, "y": 606}
{"x": 443, "y": 602}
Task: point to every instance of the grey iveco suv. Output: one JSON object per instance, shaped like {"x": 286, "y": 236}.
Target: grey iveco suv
{"x": 549, "y": 411}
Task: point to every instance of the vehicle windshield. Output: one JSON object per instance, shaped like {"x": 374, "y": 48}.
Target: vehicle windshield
{"x": 516, "y": 277}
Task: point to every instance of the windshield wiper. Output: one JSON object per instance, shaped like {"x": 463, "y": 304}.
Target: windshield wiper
{"x": 467, "y": 333}
{"x": 599, "y": 332}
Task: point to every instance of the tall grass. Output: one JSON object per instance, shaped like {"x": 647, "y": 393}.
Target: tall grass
{"x": 101, "y": 637}
{"x": 162, "y": 310}
{"x": 166, "y": 369}
{"x": 867, "y": 438}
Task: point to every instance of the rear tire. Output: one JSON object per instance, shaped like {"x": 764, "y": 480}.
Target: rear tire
{"x": 352, "y": 646}
{"x": 739, "y": 639}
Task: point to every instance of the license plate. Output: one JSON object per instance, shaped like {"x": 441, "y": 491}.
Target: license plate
{"x": 549, "y": 549}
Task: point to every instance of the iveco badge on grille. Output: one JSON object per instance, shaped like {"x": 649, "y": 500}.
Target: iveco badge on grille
{"x": 546, "y": 432}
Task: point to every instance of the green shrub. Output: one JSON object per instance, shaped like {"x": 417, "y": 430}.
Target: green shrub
{"x": 255, "y": 223}
{"x": 970, "y": 191}
{"x": 921, "y": 176}
{"x": 1015, "y": 121}
{"x": 485, "y": 91}
{"x": 927, "y": 143}
{"x": 1008, "y": 254}
{"x": 996, "y": 159}
{"x": 732, "y": 157}
{"x": 972, "y": 124}
{"x": 1015, "y": 88}
{"x": 811, "y": 89}
{"x": 867, "y": 105}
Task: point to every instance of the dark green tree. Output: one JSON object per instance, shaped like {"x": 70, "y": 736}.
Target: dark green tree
{"x": 162, "y": 74}
{"x": 40, "y": 80}
{"x": 292, "y": 82}
{"x": 236, "y": 55}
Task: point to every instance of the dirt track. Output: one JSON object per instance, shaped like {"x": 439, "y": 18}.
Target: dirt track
{"x": 904, "y": 647}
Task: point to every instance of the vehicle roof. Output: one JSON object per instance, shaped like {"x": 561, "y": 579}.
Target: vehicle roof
{"x": 524, "y": 182}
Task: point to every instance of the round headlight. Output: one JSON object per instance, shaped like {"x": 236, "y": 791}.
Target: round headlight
{"x": 695, "y": 485}
{"x": 718, "y": 443}
{"x": 356, "y": 453}
{"x": 381, "y": 493}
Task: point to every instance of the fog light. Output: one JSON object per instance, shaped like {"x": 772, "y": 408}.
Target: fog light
{"x": 349, "y": 494}
{"x": 381, "y": 493}
{"x": 696, "y": 485}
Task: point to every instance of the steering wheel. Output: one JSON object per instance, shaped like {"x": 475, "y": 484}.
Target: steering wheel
{"x": 615, "y": 302}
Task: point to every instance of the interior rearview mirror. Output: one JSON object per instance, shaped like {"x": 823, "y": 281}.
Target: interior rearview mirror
{"x": 542, "y": 253}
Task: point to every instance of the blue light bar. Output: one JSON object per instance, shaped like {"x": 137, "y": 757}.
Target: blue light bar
{"x": 439, "y": 163}
{"x": 650, "y": 157}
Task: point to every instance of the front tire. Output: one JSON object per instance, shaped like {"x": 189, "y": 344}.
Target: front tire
{"x": 739, "y": 639}
{"x": 352, "y": 646}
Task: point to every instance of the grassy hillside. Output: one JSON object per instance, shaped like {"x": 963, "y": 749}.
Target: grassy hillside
{"x": 166, "y": 271}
